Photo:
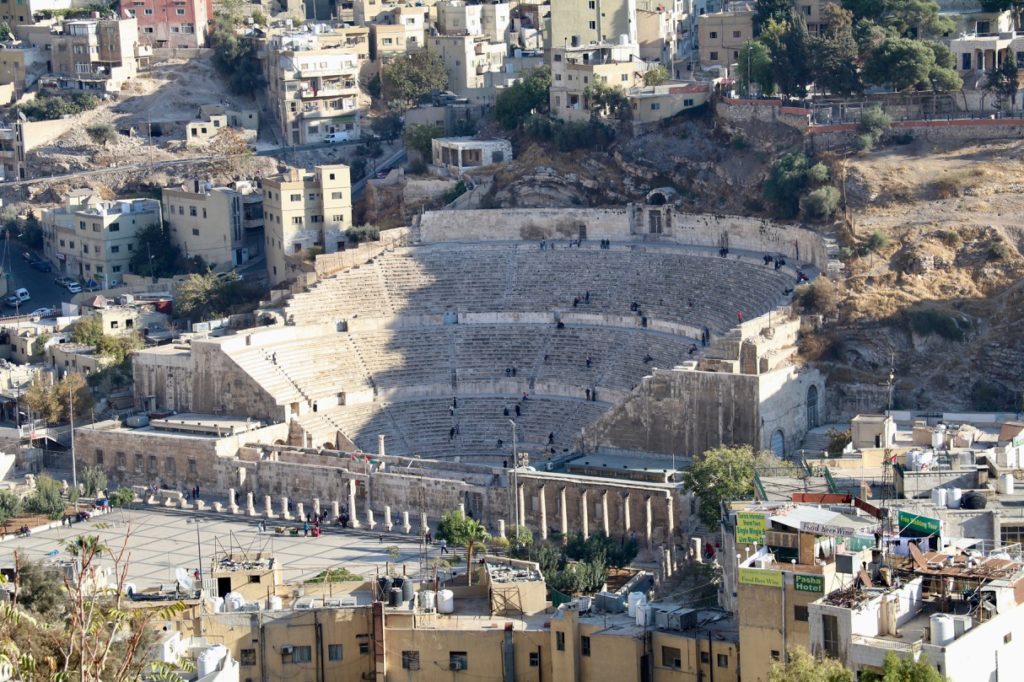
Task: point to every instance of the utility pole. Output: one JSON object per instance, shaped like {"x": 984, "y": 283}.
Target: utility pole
{"x": 515, "y": 486}
{"x": 74, "y": 465}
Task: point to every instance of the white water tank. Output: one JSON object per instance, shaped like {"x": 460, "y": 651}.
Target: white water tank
{"x": 427, "y": 600}
{"x": 941, "y": 496}
{"x": 635, "y": 599}
{"x": 209, "y": 660}
{"x": 274, "y": 603}
{"x": 943, "y": 629}
{"x": 1004, "y": 484}
{"x": 939, "y": 437}
{"x": 218, "y": 605}
{"x": 233, "y": 601}
{"x": 446, "y": 601}
{"x": 643, "y": 615}
{"x": 953, "y": 498}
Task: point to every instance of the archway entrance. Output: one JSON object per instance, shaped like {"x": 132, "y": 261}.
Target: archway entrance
{"x": 778, "y": 444}
{"x": 812, "y": 407}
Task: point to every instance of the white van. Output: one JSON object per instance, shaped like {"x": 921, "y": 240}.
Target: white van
{"x": 341, "y": 136}
{"x": 18, "y": 297}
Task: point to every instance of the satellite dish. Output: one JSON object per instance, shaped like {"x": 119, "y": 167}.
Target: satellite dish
{"x": 184, "y": 579}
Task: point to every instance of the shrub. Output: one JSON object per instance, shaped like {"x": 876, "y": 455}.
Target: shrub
{"x": 48, "y": 105}
{"x": 334, "y": 575}
{"x": 877, "y": 241}
{"x": 101, "y": 133}
{"x": 837, "y": 441}
{"x": 455, "y": 193}
{"x": 363, "y": 233}
{"x": 873, "y": 124}
{"x": 932, "y": 321}
{"x": 46, "y": 499}
{"x": 121, "y": 497}
{"x": 93, "y": 480}
{"x": 10, "y": 506}
{"x": 818, "y": 297}
{"x": 821, "y": 203}
{"x": 1000, "y": 250}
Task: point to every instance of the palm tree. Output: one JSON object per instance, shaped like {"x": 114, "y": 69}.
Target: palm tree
{"x": 463, "y": 531}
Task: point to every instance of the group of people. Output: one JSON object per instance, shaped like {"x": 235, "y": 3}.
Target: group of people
{"x": 585, "y": 298}
{"x": 191, "y": 494}
{"x": 778, "y": 261}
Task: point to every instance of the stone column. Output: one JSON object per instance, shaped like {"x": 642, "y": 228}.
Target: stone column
{"x": 353, "y": 514}
{"x": 424, "y": 527}
{"x": 250, "y": 504}
{"x": 232, "y": 501}
{"x": 584, "y": 515}
{"x": 462, "y": 508}
{"x": 563, "y": 514}
{"x": 370, "y": 523}
{"x": 604, "y": 513}
{"x": 649, "y": 520}
{"x": 335, "y": 510}
{"x": 501, "y": 528}
{"x": 300, "y": 511}
{"x": 406, "y": 528}
{"x": 388, "y": 525}
{"x": 284, "y": 509}
{"x": 521, "y": 521}
{"x": 543, "y": 513}
{"x": 627, "y": 522}
{"x": 669, "y": 568}
{"x": 316, "y": 507}
{"x": 268, "y": 508}
{"x": 670, "y": 512}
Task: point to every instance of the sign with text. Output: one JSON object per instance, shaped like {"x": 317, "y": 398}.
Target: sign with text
{"x": 826, "y": 529}
{"x": 914, "y": 526}
{"x": 750, "y": 527}
{"x": 808, "y": 583}
{"x": 760, "y": 577}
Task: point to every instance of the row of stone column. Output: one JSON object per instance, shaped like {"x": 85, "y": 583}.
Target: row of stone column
{"x": 627, "y": 528}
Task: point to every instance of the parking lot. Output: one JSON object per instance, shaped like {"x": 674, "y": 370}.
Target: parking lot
{"x": 44, "y": 291}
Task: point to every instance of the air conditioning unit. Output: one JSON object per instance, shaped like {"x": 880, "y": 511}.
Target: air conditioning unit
{"x": 456, "y": 665}
{"x": 287, "y": 650}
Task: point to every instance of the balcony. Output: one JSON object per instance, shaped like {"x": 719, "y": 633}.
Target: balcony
{"x": 871, "y": 651}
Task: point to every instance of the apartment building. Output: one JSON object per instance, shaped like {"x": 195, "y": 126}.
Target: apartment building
{"x": 313, "y": 83}
{"x": 662, "y": 30}
{"x": 399, "y": 31}
{"x": 90, "y": 238}
{"x": 721, "y": 35}
{"x": 303, "y": 210}
{"x": 22, "y": 12}
{"x": 581, "y": 22}
{"x": 455, "y": 17}
{"x": 221, "y": 225}
{"x": 574, "y": 69}
{"x": 474, "y": 65}
{"x": 94, "y": 54}
{"x": 12, "y": 153}
{"x": 172, "y": 23}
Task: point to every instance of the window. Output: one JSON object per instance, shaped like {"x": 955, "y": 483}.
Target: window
{"x": 534, "y": 659}
{"x": 296, "y": 220}
{"x": 296, "y": 197}
{"x": 122, "y": 462}
{"x": 671, "y": 657}
{"x": 71, "y": 245}
{"x": 713, "y": 56}
{"x": 624, "y": 77}
{"x": 807, "y": 10}
{"x": 410, "y": 660}
{"x": 116, "y": 268}
{"x": 585, "y": 646}
{"x": 195, "y": 231}
{"x": 655, "y": 106}
{"x": 1007, "y": 638}
{"x": 330, "y": 176}
{"x": 830, "y": 635}
{"x": 338, "y": 218}
{"x": 364, "y": 647}
{"x": 558, "y": 57}
{"x": 312, "y": 196}
{"x": 85, "y": 248}
{"x": 316, "y": 219}
{"x": 723, "y": 660}
{"x": 593, "y": 26}
{"x": 148, "y": 12}
{"x": 458, "y": 660}
{"x": 965, "y": 63}
{"x": 115, "y": 249}
{"x": 776, "y": 656}
{"x": 181, "y": 210}
{"x": 687, "y": 102}
{"x": 337, "y": 195}
{"x": 247, "y": 657}
{"x": 204, "y": 212}
{"x": 301, "y": 654}
{"x": 192, "y": 466}
{"x": 800, "y": 613}
{"x": 138, "y": 463}
{"x": 114, "y": 324}
{"x": 713, "y": 35}
{"x": 62, "y": 242}
{"x": 81, "y": 224}
{"x": 705, "y": 657}
{"x": 99, "y": 458}
{"x": 334, "y": 652}
{"x": 192, "y": 211}
{"x": 180, "y": 12}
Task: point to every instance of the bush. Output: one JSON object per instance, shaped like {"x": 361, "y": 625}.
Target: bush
{"x": 873, "y": 124}
{"x": 46, "y": 499}
{"x": 837, "y": 441}
{"x": 101, "y": 133}
{"x": 334, "y": 575}
{"x": 1000, "y": 250}
{"x": 363, "y": 233}
{"x": 10, "y": 506}
{"x": 94, "y": 480}
{"x": 818, "y": 297}
{"x": 122, "y": 497}
{"x": 821, "y": 204}
{"x": 456, "y": 192}
{"x": 49, "y": 106}
{"x": 876, "y": 241}
{"x": 931, "y": 321}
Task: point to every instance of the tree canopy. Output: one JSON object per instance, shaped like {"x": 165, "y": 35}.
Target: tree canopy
{"x": 419, "y": 138}
{"x": 720, "y": 475}
{"x": 408, "y": 78}
{"x": 803, "y": 667}
{"x": 463, "y": 531}
{"x": 515, "y": 103}
{"x": 791, "y": 176}
{"x": 1003, "y": 80}
{"x": 903, "y": 670}
{"x": 50, "y": 402}
{"x": 755, "y": 66}
{"x": 835, "y": 53}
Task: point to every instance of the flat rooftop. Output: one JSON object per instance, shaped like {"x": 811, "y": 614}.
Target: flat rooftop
{"x": 186, "y": 425}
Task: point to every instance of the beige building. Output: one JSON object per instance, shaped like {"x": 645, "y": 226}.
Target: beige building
{"x": 12, "y": 153}
{"x": 303, "y": 210}
{"x": 457, "y": 154}
{"x": 214, "y": 117}
{"x": 399, "y": 31}
{"x": 95, "y": 54}
{"x": 221, "y": 225}
{"x": 89, "y": 238}
{"x": 573, "y": 70}
{"x": 721, "y": 35}
{"x": 474, "y": 65}
{"x": 75, "y": 358}
{"x": 661, "y": 29}
{"x": 313, "y": 83}
{"x": 455, "y": 17}
{"x": 656, "y": 103}
{"x": 575, "y": 23}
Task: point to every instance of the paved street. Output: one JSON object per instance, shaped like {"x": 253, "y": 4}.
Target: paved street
{"x": 45, "y": 293}
{"x": 162, "y": 540}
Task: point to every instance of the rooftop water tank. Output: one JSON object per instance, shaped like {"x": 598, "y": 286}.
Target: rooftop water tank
{"x": 446, "y": 601}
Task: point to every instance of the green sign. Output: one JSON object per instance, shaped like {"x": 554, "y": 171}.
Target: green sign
{"x": 808, "y": 583}
{"x": 750, "y": 527}
{"x": 914, "y": 526}
{"x": 760, "y": 577}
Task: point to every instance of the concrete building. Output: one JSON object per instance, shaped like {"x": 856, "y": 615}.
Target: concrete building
{"x": 656, "y": 103}
{"x": 574, "y": 69}
{"x": 455, "y": 17}
{"x": 474, "y": 65}
{"x": 89, "y": 238}
{"x": 663, "y": 31}
{"x": 215, "y": 117}
{"x": 95, "y": 54}
{"x": 12, "y": 154}
{"x": 313, "y": 83}
{"x": 401, "y": 30}
{"x": 457, "y": 154}
{"x": 75, "y": 358}
{"x": 221, "y": 225}
{"x": 172, "y": 23}
{"x": 582, "y": 22}
{"x": 303, "y": 210}
{"x": 448, "y": 112}
{"x": 20, "y": 66}
{"x": 723, "y": 34}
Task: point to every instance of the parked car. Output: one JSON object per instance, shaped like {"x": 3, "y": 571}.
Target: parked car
{"x": 63, "y": 280}
{"x": 41, "y": 265}
{"x": 28, "y": 256}
{"x": 18, "y": 297}
{"x": 73, "y": 286}
{"x": 341, "y": 136}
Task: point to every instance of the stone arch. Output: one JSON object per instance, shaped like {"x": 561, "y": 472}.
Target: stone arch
{"x": 813, "y": 419}
{"x": 777, "y": 444}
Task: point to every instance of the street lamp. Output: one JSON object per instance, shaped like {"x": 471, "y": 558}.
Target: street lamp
{"x": 515, "y": 465}
{"x": 74, "y": 466}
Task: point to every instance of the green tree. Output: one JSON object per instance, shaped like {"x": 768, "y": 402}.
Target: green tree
{"x": 790, "y": 176}
{"x": 40, "y": 588}
{"x": 656, "y": 75}
{"x": 462, "y": 531}
{"x": 50, "y": 402}
{"x": 789, "y": 46}
{"x": 363, "y": 233}
{"x": 821, "y": 203}
{"x": 917, "y": 19}
{"x": 94, "y": 480}
{"x": 802, "y": 667}
{"x": 607, "y": 101}
{"x": 387, "y": 127}
{"x": 31, "y": 231}
{"x": 520, "y": 536}
{"x": 409, "y": 78}
{"x": 1015, "y": 8}
{"x": 5, "y": 31}
{"x": 755, "y": 66}
{"x": 46, "y": 498}
{"x": 720, "y": 475}
{"x": 903, "y": 670}
{"x": 517, "y": 102}
{"x": 874, "y": 123}
{"x": 10, "y": 506}
{"x": 234, "y": 55}
{"x": 154, "y": 253}
{"x": 87, "y": 330}
{"x": 1002, "y": 80}
{"x": 834, "y": 53}
{"x": 419, "y": 137}
{"x": 903, "y": 63}
{"x": 771, "y": 10}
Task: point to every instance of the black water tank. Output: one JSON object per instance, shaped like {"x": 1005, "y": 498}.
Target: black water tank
{"x": 396, "y": 597}
{"x": 973, "y": 500}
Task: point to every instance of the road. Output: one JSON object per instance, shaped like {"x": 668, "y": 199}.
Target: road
{"x": 45, "y": 293}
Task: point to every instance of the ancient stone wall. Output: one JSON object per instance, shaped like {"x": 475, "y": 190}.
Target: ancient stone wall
{"x": 763, "y": 110}
{"x": 219, "y": 386}
{"x": 964, "y": 130}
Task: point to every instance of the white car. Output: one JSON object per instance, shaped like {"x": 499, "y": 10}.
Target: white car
{"x": 342, "y": 136}
{"x": 73, "y": 287}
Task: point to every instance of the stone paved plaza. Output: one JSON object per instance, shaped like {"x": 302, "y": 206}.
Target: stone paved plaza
{"x": 162, "y": 540}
